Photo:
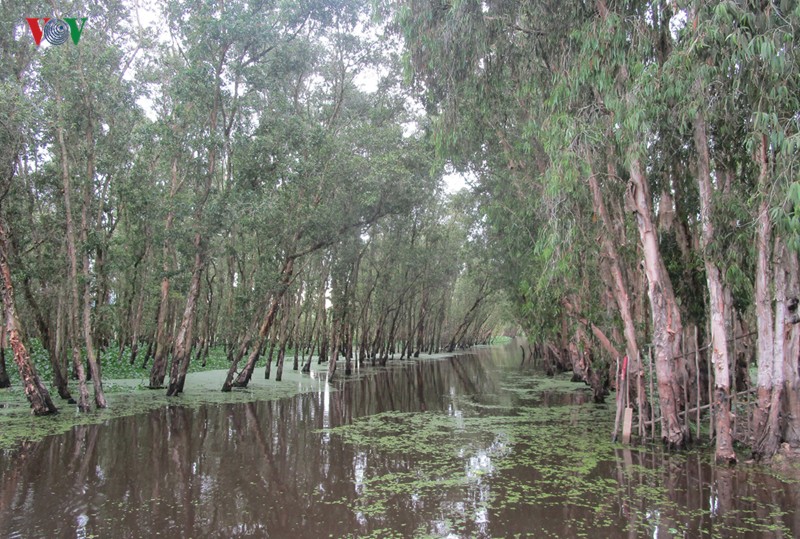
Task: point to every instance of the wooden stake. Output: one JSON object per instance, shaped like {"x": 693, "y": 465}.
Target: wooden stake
{"x": 697, "y": 378}
{"x": 619, "y": 404}
{"x": 686, "y": 423}
{"x": 710, "y": 396}
{"x": 650, "y": 363}
{"x": 640, "y": 398}
{"x": 626, "y": 425}
{"x": 704, "y": 407}
{"x": 732, "y": 369}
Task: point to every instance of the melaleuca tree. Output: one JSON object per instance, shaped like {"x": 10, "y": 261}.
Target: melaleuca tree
{"x": 750, "y": 69}
{"x": 88, "y": 110}
{"x": 675, "y": 117}
{"x": 15, "y": 60}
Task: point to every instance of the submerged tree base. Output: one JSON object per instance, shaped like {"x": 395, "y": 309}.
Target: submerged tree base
{"x": 134, "y": 396}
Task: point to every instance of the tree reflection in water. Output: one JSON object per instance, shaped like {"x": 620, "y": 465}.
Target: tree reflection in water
{"x": 510, "y": 461}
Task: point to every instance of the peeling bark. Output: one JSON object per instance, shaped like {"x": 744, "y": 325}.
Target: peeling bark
{"x": 37, "y": 393}
{"x": 665, "y": 316}
{"x": 620, "y": 290}
{"x": 791, "y": 370}
{"x": 764, "y": 445}
{"x": 719, "y": 339}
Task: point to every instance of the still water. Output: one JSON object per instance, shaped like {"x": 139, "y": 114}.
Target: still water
{"x": 470, "y": 446}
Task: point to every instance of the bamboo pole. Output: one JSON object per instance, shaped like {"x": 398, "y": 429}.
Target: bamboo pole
{"x": 697, "y": 378}
{"x": 639, "y": 398}
{"x": 732, "y": 366}
{"x": 686, "y": 418}
{"x": 619, "y": 408}
{"x": 740, "y": 337}
{"x": 703, "y": 407}
{"x": 710, "y": 397}
{"x": 650, "y": 363}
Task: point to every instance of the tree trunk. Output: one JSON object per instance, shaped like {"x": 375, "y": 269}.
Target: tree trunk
{"x": 35, "y": 390}
{"x": 149, "y": 352}
{"x": 284, "y": 339}
{"x": 318, "y": 327}
{"x": 159, "y": 369}
{"x": 763, "y": 432}
{"x": 88, "y": 334}
{"x": 62, "y": 338}
{"x": 768, "y": 436}
{"x": 791, "y": 372}
{"x": 77, "y": 361}
{"x": 719, "y": 336}
{"x": 137, "y": 324}
{"x": 335, "y": 351}
{"x": 286, "y": 273}
{"x": 183, "y": 341}
{"x": 620, "y": 289}
{"x": 423, "y": 310}
{"x": 272, "y": 346}
{"x": 296, "y": 329}
{"x": 48, "y": 341}
{"x": 4, "y": 380}
{"x": 664, "y": 312}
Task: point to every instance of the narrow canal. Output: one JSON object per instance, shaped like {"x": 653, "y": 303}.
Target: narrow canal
{"x": 469, "y": 446}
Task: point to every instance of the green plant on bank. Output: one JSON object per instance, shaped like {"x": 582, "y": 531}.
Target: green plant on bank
{"x": 115, "y": 367}
{"x": 126, "y": 387}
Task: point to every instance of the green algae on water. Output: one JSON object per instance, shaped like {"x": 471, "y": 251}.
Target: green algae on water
{"x": 131, "y": 397}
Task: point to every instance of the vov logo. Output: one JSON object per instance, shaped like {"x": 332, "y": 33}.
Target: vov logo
{"x": 56, "y": 31}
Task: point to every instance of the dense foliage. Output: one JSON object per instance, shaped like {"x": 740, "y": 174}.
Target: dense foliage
{"x": 246, "y": 177}
{"x": 637, "y": 170}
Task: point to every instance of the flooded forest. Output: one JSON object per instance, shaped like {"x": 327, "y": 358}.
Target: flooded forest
{"x": 414, "y": 268}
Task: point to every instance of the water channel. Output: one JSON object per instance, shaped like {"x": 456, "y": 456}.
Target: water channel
{"x": 470, "y": 446}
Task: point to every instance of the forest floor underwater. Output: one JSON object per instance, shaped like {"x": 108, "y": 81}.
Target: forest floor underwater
{"x": 474, "y": 445}
{"x": 131, "y": 395}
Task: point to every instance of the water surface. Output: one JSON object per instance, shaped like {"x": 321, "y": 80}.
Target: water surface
{"x": 470, "y": 446}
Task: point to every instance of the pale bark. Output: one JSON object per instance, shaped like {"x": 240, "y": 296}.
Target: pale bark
{"x": 620, "y": 290}
{"x": 284, "y": 339}
{"x": 334, "y": 350}
{"x": 718, "y": 314}
{"x": 665, "y": 316}
{"x": 768, "y": 436}
{"x": 765, "y": 355}
{"x": 791, "y": 372}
